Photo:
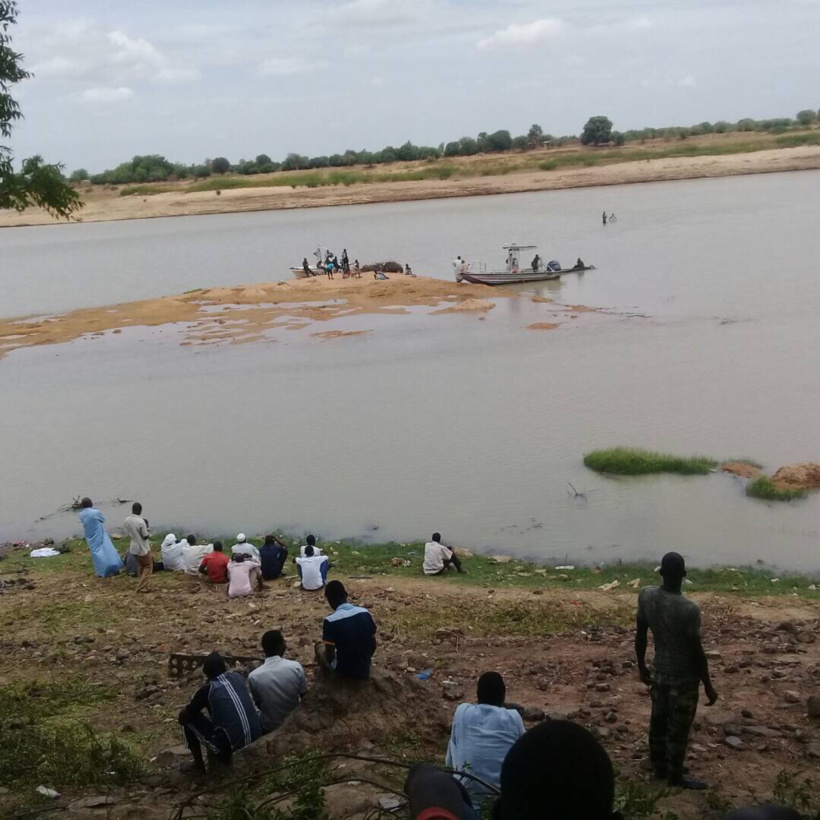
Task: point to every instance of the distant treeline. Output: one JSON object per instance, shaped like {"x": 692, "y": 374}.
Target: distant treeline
{"x": 597, "y": 131}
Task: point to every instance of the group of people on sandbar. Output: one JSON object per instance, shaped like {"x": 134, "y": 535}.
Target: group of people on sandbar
{"x": 327, "y": 264}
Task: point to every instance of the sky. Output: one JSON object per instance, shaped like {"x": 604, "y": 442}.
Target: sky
{"x": 194, "y": 79}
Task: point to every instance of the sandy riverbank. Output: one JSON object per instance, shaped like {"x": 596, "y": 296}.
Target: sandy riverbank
{"x": 105, "y": 205}
{"x": 564, "y": 648}
{"x": 244, "y": 313}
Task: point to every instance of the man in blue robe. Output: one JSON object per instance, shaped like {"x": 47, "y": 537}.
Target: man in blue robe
{"x": 105, "y": 557}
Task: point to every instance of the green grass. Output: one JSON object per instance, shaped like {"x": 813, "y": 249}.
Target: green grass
{"x": 635, "y": 461}
{"x": 144, "y": 190}
{"x": 766, "y": 489}
{"x": 795, "y": 140}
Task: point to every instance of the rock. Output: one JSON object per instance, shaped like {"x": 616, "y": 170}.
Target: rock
{"x": 538, "y": 592}
{"x": 172, "y": 756}
{"x": 770, "y": 648}
{"x": 762, "y": 731}
{"x": 813, "y": 706}
{"x": 463, "y": 552}
{"x": 790, "y": 696}
{"x": 46, "y": 792}
{"x": 611, "y": 718}
{"x": 147, "y": 692}
{"x": 389, "y": 802}
{"x": 610, "y": 586}
{"x": 733, "y": 742}
{"x": 500, "y": 559}
{"x": 449, "y": 633}
{"x": 97, "y": 802}
{"x": 601, "y": 732}
{"x": 747, "y": 713}
{"x": 532, "y": 714}
{"x": 397, "y": 562}
{"x": 713, "y": 655}
{"x": 452, "y": 690}
{"x": 602, "y": 687}
{"x": 813, "y": 750}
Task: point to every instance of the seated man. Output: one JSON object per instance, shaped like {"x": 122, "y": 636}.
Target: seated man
{"x": 482, "y": 735}
{"x": 310, "y": 541}
{"x": 243, "y": 545}
{"x": 277, "y": 686}
{"x": 556, "y": 770}
{"x": 232, "y": 722}
{"x": 312, "y": 570}
{"x": 193, "y": 553}
{"x": 214, "y": 565}
{"x": 272, "y": 555}
{"x": 171, "y": 551}
{"x": 434, "y": 795}
{"x": 243, "y": 575}
{"x": 348, "y": 637}
{"x": 439, "y": 557}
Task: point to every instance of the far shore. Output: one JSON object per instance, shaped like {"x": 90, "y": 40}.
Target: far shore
{"x": 104, "y": 204}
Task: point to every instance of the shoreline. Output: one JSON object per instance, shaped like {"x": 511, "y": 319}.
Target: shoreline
{"x": 110, "y": 206}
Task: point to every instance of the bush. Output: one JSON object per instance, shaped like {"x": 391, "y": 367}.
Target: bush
{"x": 766, "y": 489}
{"x": 220, "y": 165}
{"x": 635, "y": 461}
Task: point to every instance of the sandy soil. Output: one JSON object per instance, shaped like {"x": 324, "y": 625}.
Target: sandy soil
{"x": 243, "y": 313}
{"x": 106, "y": 205}
{"x": 740, "y": 469}
{"x": 765, "y": 660}
{"x": 798, "y": 476}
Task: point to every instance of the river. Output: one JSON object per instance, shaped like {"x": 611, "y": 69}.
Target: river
{"x": 474, "y": 428}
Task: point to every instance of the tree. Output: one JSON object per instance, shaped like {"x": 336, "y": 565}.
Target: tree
{"x": 499, "y": 141}
{"x": 535, "y": 136}
{"x": 79, "y": 175}
{"x": 452, "y": 149}
{"x": 597, "y": 131}
{"x": 520, "y": 143}
{"x": 806, "y": 117}
{"x": 618, "y": 138}
{"x": 220, "y": 165}
{"x": 37, "y": 183}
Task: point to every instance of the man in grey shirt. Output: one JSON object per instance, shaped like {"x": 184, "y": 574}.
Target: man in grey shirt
{"x": 277, "y": 686}
{"x": 135, "y": 527}
{"x": 678, "y": 668}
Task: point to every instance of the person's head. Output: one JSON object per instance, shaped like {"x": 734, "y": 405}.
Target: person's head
{"x": 217, "y": 546}
{"x": 311, "y": 541}
{"x": 136, "y": 508}
{"x": 273, "y": 643}
{"x": 238, "y": 557}
{"x": 191, "y": 539}
{"x": 556, "y": 770}
{"x": 269, "y": 540}
{"x": 86, "y": 503}
{"x": 336, "y": 594}
{"x": 437, "y": 537}
{"x": 214, "y": 666}
{"x": 673, "y": 569}
{"x": 308, "y": 551}
{"x": 491, "y": 689}
{"x": 241, "y": 538}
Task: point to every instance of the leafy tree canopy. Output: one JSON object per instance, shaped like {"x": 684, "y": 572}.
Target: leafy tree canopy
{"x": 597, "y": 131}
{"x": 37, "y": 182}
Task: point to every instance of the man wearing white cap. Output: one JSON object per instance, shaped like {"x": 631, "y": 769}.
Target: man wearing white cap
{"x": 242, "y": 545}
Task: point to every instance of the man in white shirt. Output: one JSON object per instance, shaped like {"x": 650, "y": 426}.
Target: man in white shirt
{"x": 438, "y": 557}
{"x": 482, "y": 735}
{"x": 457, "y": 262}
{"x": 310, "y": 541}
{"x": 193, "y": 553}
{"x": 242, "y": 545}
{"x": 277, "y": 686}
{"x": 135, "y": 527}
{"x": 171, "y": 551}
{"x": 312, "y": 569}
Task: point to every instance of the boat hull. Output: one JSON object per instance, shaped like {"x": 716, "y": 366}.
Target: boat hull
{"x": 520, "y": 278}
{"x": 299, "y": 273}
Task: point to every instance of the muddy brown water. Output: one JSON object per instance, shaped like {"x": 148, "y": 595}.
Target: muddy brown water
{"x": 475, "y": 428}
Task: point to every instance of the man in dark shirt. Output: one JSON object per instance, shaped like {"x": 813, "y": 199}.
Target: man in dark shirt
{"x": 348, "y": 637}
{"x": 678, "y": 668}
{"x": 273, "y": 554}
{"x": 233, "y": 722}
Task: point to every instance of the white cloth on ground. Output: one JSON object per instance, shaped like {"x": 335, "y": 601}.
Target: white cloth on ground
{"x": 43, "y": 552}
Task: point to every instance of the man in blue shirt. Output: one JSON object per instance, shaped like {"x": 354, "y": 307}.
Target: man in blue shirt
{"x": 233, "y": 722}
{"x": 482, "y": 735}
{"x": 348, "y": 637}
{"x": 273, "y": 554}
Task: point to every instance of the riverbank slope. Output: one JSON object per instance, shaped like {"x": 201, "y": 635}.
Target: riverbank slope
{"x": 78, "y": 650}
{"x": 538, "y": 171}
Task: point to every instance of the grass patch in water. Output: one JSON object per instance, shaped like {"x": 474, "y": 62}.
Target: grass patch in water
{"x": 635, "y": 461}
{"x": 767, "y": 490}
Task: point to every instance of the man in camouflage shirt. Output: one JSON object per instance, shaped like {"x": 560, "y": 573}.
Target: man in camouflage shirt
{"x": 678, "y": 668}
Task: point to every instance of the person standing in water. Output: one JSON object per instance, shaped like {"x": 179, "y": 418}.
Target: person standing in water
{"x": 604, "y": 217}
{"x": 106, "y": 559}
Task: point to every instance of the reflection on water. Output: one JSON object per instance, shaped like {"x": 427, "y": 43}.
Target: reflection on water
{"x": 472, "y": 427}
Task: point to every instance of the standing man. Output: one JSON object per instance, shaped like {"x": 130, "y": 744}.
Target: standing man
{"x": 135, "y": 527}
{"x": 106, "y": 559}
{"x": 438, "y": 557}
{"x": 678, "y": 668}
{"x": 457, "y": 263}
{"x": 604, "y": 217}
{"x": 348, "y": 637}
{"x": 278, "y": 686}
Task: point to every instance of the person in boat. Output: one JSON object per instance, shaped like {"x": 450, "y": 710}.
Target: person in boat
{"x": 579, "y": 264}
{"x": 613, "y": 218}
{"x": 536, "y": 263}
{"x": 357, "y": 269}
{"x": 458, "y": 265}
{"x": 306, "y": 267}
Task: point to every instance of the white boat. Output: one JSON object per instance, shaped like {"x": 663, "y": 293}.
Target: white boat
{"x": 514, "y": 272}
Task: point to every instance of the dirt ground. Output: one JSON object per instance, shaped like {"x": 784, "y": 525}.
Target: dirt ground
{"x": 765, "y": 658}
{"x": 103, "y": 205}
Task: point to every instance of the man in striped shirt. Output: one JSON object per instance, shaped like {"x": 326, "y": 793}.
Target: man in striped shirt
{"x": 232, "y": 721}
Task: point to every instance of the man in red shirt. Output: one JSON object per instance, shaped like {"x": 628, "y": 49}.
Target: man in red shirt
{"x": 215, "y": 565}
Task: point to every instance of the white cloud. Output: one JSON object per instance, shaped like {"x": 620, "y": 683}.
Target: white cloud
{"x": 106, "y": 95}
{"x": 528, "y": 35}
{"x": 639, "y": 24}
{"x": 378, "y": 82}
{"x": 379, "y": 12}
{"x": 290, "y": 66}
{"x": 687, "y": 82}
{"x": 172, "y": 76}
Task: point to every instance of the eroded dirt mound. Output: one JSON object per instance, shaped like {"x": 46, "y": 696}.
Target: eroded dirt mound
{"x": 740, "y": 468}
{"x": 799, "y": 476}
